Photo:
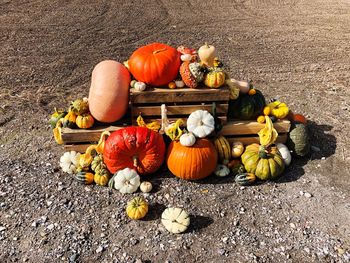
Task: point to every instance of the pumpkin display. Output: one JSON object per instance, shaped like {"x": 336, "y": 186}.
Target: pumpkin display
{"x": 126, "y": 181}
{"x": 223, "y": 148}
{"x": 80, "y": 106}
{"x": 69, "y": 162}
{"x": 175, "y": 220}
{"x": 215, "y": 78}
{"x": 56, "y": 116}
{"x": 191, "y": 74}
{"x": 137, "y": 208}
{"x": 69, "y": 121}
{"x": 201, "y": 123}
{"x": 84, "y": 177}
{"x": 146, "y": 187}
{"x": 285, "y": 153}
{"x": 207, "y": 54}
{"x": 265, "y": 162}
{"x": 237, "y": 149}
{"x": 187, "y": 139}
{"x": 246, "y": 107}
{"x": 85, "y": 121}
{"x": 278, "y": 109}
{"x": 138, "y": 148}
{"x": 155, "y": 64}
{"x": 109, "y": 91}
{"x": 298, "y": 140}
{"x": 222, "y": 170}
{"x": 192, "y": 163}
{"x": 245, "y": 178}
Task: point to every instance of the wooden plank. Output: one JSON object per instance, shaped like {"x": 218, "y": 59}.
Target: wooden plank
{"x": 179, "y": 95}
{"x": 85, "y": 135}
{"x": 251, "y": 127}
{"x": 282, "y": 138}
{"x": 147, "y": 120}
{"x": 177, "y": 110}
{"x": 76, "y": 147}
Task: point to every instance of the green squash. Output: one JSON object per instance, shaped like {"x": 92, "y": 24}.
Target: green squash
{"x": 58, "y": 114}
{"x": 298, "y": 140}
{"x": 264, "y": 163}
{"x": 246, "y": 107}
{"x": 245, "y": 178}
{"x": 84, "y": 177}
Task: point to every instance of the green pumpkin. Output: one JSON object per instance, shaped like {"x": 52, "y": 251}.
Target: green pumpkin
{"x": 97, "y": 163}
{"x": 298, "y": 140}
{"x": 246, "y": 107}
{"x": 245, "y": 178}
{"x": 264, "y": 163}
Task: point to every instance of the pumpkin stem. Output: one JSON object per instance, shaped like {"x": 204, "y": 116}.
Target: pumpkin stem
{"x": 263, "y": 152}
{"x": 206, "y": 44}
{"x": 136, "y": 161}
{"x": 159, "y": 50}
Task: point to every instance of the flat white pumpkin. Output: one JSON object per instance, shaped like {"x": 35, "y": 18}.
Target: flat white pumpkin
{"x": 187, "y": 139}
{"x": 201, "y": 123}
{"x": 69, "y": 162}
{"x": 175, "y": 220}
{"x": 126, "y": 181}
{"x": 286, "y": 156}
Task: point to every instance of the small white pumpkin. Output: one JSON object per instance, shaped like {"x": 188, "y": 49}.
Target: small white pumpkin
{"x": 127, "y": 181}
{"x": 179, "y": 83}
{"x": 146, "y": 187}
{"x": 286, "y": 156}
{"x": 237, "y": 149}
{"x": 187, "y": 139}
{"x": 139, "y": 86}
{"x": 175, "y": 220}
{"x": 69, "y": 162}
{"x": 186, "y": 57}
{"x": 222, "y": 170}
{"x": 201, "y": 123}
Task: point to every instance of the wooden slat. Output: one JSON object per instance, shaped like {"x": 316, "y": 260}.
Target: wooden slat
{"x": 177, "y": 110}
{"x": 147, "y": 120}
{"x": 282, "y": 138}
{"x": 179, "y": 95}
{"x": 85, "y": 135}
{"x": 249, "y": 127}
{"x": 76, "y": 147}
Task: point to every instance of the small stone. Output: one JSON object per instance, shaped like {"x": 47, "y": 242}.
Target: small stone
{"x": 167, "y": 196}
{"x": 103, "y": 235}
{"x": 308, "y": 195}
{"x": 99, "y": 249}
{"x": 307, "y": 250}
{"x": 87, "y": 189}
{"x": 73, "y": 257}
{"x": 323, "y": 158}
{"x": 60, "y": 188}
{"x": 340, "y": 251}
{"x": 161, "y": 246}
{"x": 43, "y": 219}
{"x": 301, "y": 193}
{"x": 2, "y": 228}
{"x": 51, "y": 226}
{"x": 292, "y": 225}
{"x": 48, "y": 203}
{"x": 138, "y": 261}
{"x": 15, "y": 238}
{"x": 242, "y": 187}
{"x": 221, "y": 251}
{"x": 225, "y": 239}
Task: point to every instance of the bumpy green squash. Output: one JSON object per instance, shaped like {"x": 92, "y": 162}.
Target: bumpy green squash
{"x": 246, "y": 107}
{"x": 264, "y": 163}
{"x": 298, "y": 140}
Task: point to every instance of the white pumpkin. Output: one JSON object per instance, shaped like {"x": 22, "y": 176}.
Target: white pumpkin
{"x": 187, "y": 139}
{"x": 146, "y": 187}
{"x": 222, "y": 170}
{"x": 69, "y": 162}
{"x": 237, "y": 149}
{"x": 201, "y": 123}
{"x": 186, "y": 57}
{"x": 127, "y": 181}
{"x": 286, "y": 156}
{"x": 179, "y": 83}
{"x": 175, "y": 220}
{"x": 139, "y": 86}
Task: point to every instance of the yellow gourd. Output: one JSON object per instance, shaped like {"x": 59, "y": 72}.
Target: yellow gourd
{"x": 85, "y": 121}
{"x": 279, "y": 109}
{"x": 137, "y": 208}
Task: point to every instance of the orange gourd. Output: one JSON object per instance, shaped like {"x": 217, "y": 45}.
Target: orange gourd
{"x": 155, "y": 64}
{"x": 109, "y": 91}
{"x": 192, "y": 163}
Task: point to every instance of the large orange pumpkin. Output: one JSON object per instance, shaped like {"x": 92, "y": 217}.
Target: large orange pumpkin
{"x": 138, "y": 148}
{"x": 109, "y": 91}
{"x": 155, "y": 64}
{"x": 192, "y": 163}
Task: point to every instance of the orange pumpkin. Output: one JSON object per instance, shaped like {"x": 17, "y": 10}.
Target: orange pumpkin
{"x": 192, "y": 163}
{"x": 109, "y": 91}
{"x": 155, "y": 64}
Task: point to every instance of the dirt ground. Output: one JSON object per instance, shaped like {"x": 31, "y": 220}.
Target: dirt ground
{"x": 298, "y": 50}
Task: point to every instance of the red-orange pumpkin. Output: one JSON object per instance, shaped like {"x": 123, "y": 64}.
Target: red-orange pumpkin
{"x": 109, "y": 91}
{"x": 137, "y": 148}
{"x": 155, "y": 64}
{"x": 192, "y": 163}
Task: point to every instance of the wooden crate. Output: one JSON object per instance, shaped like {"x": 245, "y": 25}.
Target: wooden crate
{"x": 180, "y": 103}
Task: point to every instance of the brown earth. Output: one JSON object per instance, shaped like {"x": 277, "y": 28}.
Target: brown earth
{"x": 296, "y": 49}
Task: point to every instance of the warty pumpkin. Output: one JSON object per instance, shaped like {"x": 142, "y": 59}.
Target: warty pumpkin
{"x": 298, "y": 140}
{"x": 137, "y": 208}
{"x": 137, "y": 148}
{"x": 192, "y": 163}
{"x": 191, "y": 74}
{"x": 215, "y": 78}
{"x": 155, "y": 64}
{"x": 85, "y": 121}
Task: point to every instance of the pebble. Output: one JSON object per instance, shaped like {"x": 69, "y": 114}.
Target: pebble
{"x": 292, "y": 225}
{"x": 51, "y": 226}
{"x": 2, "y": 228}
{"x": 307, "y": 250}
{"x": 73, "y": 257}
{"x": 221, "y": 251}
{"x": 225, "y": 239}
{"x": 308, "y": 195}
{"x": 48, "y": 203}
{"x": 99, "y": 249}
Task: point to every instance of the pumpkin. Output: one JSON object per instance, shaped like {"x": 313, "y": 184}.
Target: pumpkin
{"x": 207, "y": 54}
{"x": 222, "y": 170}
{"x": 101, "y": 177}
{"x": 266, "y": 111}
{"x": 245, "y": 178}
{"x": 84, "y": 177}
{"x": 298, "y": 140}
{"x": 172, "y": 85}
{"x": 80, "y": 106}
{"x": 109, "y": 91}
{"x": 138, "y": 148}
{"x": 238, "y": 169}
{"x": 252, "y": 92}
{"x": 265, "y": 163}
{"x": 56, "y": 116}
{"x": 237, "y": 149}
{"x": 201, "y": 123}
{"x": 285, "y": 153}
{"x": 278, "y": 109}
{"x": 155, "y": 64}
{"x": 139, "y": 86}
{"x": 69, "y": 121}
{"x": 57, "y": 131}
{"x": 223, "y": 148}
{"x": 175, "y": 220}
{"x": 132, "y": 83}
{"x": 146, "y": 187}
{"x": 192, "y": 163}
{"x": 299, "y": 118}
{"x": 191, "y": 74}
{"x": 126, "y": 181}
{"x": 137, "y": 208}
{"x": 85, "y": 121}
{"x": 215, "y": 78}
{"x": 246, "y": 107}
{"x": 97, "y": 163}
{"x": 69, "y": 162}
{"x": 187, "y": 139}
{"x": 179, "y": 83}
{"x": 186, "y": 57}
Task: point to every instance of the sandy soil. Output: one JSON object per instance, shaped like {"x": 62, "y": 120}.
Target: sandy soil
{"x": 296, "y": 49}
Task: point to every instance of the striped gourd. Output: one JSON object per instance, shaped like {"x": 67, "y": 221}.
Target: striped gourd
{"x": 245, "y": 178}
{"x": 223, "y": 148}
{"x": 84, "y": 177}
{"x": 215, "y": 78}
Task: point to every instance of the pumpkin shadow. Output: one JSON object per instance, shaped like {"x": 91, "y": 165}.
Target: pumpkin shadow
{"x": 155, "y": 211}
{"x": 213, "y": 179}
{"x": 199, "y": 222}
